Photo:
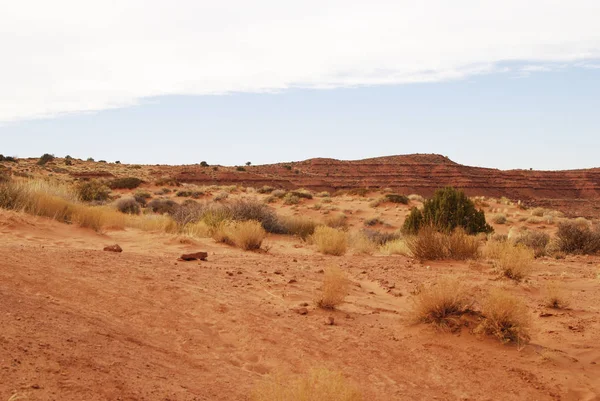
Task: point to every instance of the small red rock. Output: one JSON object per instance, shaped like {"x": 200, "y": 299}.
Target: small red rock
{"x": 113, "y": 248}
{"x": 302, "y": 311}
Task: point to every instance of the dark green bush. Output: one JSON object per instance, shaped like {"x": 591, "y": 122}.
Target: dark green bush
{"x": 203, "y": 164}
{"x": 7, "y": 159}
{"x": 46, "y": 157}
{"x": 447, "y": 210}
{"x": 93, "y": 191}
{"x": 287, "y": 167}
{"x": 125, "y": 183}
{"x": 578, "y": 237}
{"x": 142, "y": 197}
{"x": 240, "y": 168}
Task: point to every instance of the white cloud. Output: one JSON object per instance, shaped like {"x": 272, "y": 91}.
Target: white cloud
{"x": 70, "y": 55}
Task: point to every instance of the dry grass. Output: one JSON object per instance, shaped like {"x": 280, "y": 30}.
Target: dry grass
{"x": 362, "y": 244}
{"x": 317, "y": 385}
{"x": 396, "y": 247}
{"x": 301, "y": 226}
{"x": 247, "y": 235}
{"x": 505, "y": 317}
{"x": 334, "y": 290}
{"x": 442, "y": 304}
{"x": 330, "y": 241}
{"x": 429, "y": 244}
{"x": 514, "y": 261}
{"x": 555, "y": 297}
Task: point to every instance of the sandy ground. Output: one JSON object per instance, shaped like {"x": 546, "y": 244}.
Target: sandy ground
{"x": 77, "y": 323}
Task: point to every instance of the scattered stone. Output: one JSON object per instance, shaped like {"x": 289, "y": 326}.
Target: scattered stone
{"x": 277, "y": 272}
{"x": 292, "y": 281}
{"x": 545, "y": 314}
{"x": 194, "y": 256}
{"x": 302, "y": 311}
{"x": 304, "y": 304}
{"x": 230, "y": 273}
{"x": 330, "y": 321}
{"x": 113, "y": 248}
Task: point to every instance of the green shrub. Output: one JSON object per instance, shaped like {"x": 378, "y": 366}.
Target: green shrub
{"x": 125, "y": 183}
{"x": 93, "y": 191}
{"x": 291, "y": 199}
{"x": 128, "y": 206}
{"x": 142, "y": 197}
{"x": 46, "y": 157}
{"x": 203, "y": 164}
{"x": 90, "y": 159}
{"x": 447, "y": 210}
{"x": 240, "y": 168}
{"x": 578, "y": 237}
{"x": 9, "y": 159}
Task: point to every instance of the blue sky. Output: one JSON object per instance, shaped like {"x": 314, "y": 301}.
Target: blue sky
{"x": 508, "y": 84}
{"x": 541, "y": 120}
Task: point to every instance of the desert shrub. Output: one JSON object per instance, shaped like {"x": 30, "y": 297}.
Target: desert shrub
{"x": 191, "y": 194}
{"x": 462, "y": 246}
{"x": 317, "y": 385}
{"x": 429, "y": 244}
{"x": 536, "y": 240}
{"x": 142, "y": 197}
{"x": 265, "y": 190}
{"x": 578, "y": 237}
{"x": 221, "y": 196}
{"x": 101, "y": 161}
{"x": 128, "y": 206}
{"x": 8, "y": 159}
{"x": 395, "y": 198}
{"x": 287, "y": 167}
{"x": 514, "y": 261}
{"x": 203, "y": 164}
{"x": 373, "y": 221}
{"x": 90, "y": 159}
{"x": 279, "y": 193}
{"x": 330, "y": 241}
{"x": 334, "y": 290}
{"x": 358, "y": 191}
{"x": 167, "y": 181}
{"x": 323, "y": 194}
{"x": 538, "y": 211}
{"x": 555, "y": 297}
{"x": 377, "y": 202}
{"x": 91, "y": 191}
{"x": 445, "y": 211}
{"x": 247, "y": 235}
{"x": 362, "y": 244}
{"x": 162, "y": 206}
{"x": 378, "y": 237}
{"x": 255, "y": 210}
{"x": 46, "y": 158}
{"x": 499, "y": 218}
{"x": 395, "y": 247}
{"x": 339, "y": 221}
{"x": 300, "y": 226}
{"x": 240, "y": 168}
{"x": 125, "y": 183}
{"x": 442, "y": 304}
{"x": 188, "y": 212}
{"x": 302, "y": 194}
{"x": 214, "y": 215}
{"x": 505, "y": 317}
{"x": 291, "y": 199}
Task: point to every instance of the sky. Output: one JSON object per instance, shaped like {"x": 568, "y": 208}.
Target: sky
{"x": 503, "y": 84}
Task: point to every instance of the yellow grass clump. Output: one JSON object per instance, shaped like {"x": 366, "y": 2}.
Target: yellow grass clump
{"x": 513, "y": 261}
{"x": 429, "y": 244}
{"x": 362, "y": 244}
{"x": 301, "y": 226}
{"x": 505, "y": 317}
{"x": 334, "y": 290}
{"x": 247, "y": 235}
{"x": 442, "y": 304}
{"x": 395, "y": 247}
{"x": 317, "y": 385}
{"x": 330, "y": 241}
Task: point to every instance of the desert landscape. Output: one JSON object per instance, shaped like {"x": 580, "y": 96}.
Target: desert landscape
{"x": 396, "y": 278}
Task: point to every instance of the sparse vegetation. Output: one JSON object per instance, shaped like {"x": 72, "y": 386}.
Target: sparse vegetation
{"x": 578, "y": 237}
{"x": 535, "y": 240}
{"x": 317, "y": 385}
{"x": 94, "y": 190}
{"x": 46, "y": 158}
{"x": 505, "y": 317}
{"x": 442, "y": 304}
{"x": 125, "y": 183}
{"x": 247, "y": 235}
{"x": 330, "y": 241}
{"x": 555, "y": 297}
{"x": 128, "y": 206}
{"x": 395, "y": 198}
{"x": 513, "y": 261}
{"x": 300, "y": 226}
{"x": 429, "y": 244}
{"x": 334, "y": 290}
